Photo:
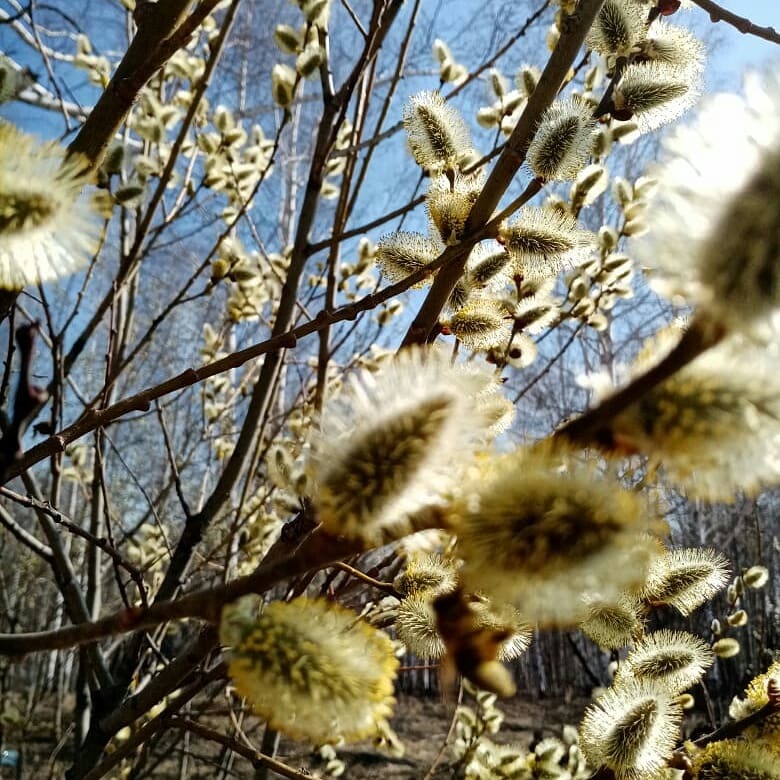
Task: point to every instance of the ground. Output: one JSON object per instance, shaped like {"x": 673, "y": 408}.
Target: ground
{"x": 421, "y": 723}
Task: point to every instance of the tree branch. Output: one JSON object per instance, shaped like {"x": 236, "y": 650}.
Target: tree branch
{"x": 141, "y": 401}
{"x": 258, "y": 759}
{"x": 24, "y": 537}
{"x": 592, "y": 427}
{"x": 285, "y": 560}
{"x": 745, "y": 26}
{"x": 162, "y": 31}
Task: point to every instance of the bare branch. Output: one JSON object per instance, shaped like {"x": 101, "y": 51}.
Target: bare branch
{"x": 745, "y": 26}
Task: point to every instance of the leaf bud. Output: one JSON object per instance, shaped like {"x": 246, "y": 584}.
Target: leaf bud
{"x": 738, "y": 618}
{"x": 441, "y": 51}
{"x": 287, "y": 39}
{"x": 527, "y": 78}
{"x": 756, "y": 576}
{"x": 601, "y": 142}
{"x": 598, "y": 321}
{"x": 579, "y": 288}
{"x": 488, "y": 117}
{"x": 727, "y": 647}
{"x": 498, "y": 83}
{"x": 608, "y": 237}
{"x": 686, "y": 701}
{"x": 635, "y": 227}
{"x": 622, "y": 191}
{"x": 283, "y": 85}
{"x": 309, "y": 60}
{"x": 591, "y": 182}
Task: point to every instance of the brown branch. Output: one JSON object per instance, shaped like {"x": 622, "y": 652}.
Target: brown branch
{"x": 61, "y": 520}
{"x": 333, "y": 113}
{"x": 745, "y": 26}
{"x": 28, "y": 398}
{"x": 173, "y": 676}
{"x": 255, "y": 757}
{"x": 592, "y": 427}
{"x": 736, "y": 727}
{"x": 162, "y": 721}
{"x": 141, "y": 402}
{"x": 23, "y": 536}
{"x": 384, "y": 587}
{"x": 162, "y": 31}
{"x": 286, "y": 559}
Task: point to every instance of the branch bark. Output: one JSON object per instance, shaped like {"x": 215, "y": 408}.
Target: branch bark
{"x": 162, "y": 31}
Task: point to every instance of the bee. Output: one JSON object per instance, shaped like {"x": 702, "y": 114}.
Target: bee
{"x": 472, "y": 649}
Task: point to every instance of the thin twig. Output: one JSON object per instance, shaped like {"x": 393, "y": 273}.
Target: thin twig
{"x": 61, "y": 520}
{"x": 257, "y": 758}
{"x": 384, "y": 587}
{"x": 23, "y": 536}
{"x": 745, "y": 26}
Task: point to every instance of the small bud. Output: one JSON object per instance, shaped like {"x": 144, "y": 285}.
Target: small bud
{"x": 601, "y": 142}
{"x": 608, "y": 237}
{"x": 219, "y": 269}
{"x": 527, "y": 78}
{"x": 583, "y": 308}
{"x": 113, "y": 162}
{"x": 635, "y": 210}
{"x": 488, "y": 117}
{"x": 498, "y": 83}
{"x": 625, "y": 132}
{"x": 579, "y": 288}
{"x": 522, "y": 351}
{"x": 441, "y": 51}
{"x": 622, "y": 191}
{"x": 738, "y": 618}
{"x": 591, "y": 182}
{"x": 756, "y": 576}
{"x": 316, "y": 11}
{"x": 309, "y": 60}
{"x": 726, "y": 647}
{"x": 453, "y": 72}
{"x": 287, "y": 39}
{"x": 686, "y": 701}
{"x": 283, "y": 85}
{"x": 635, "y": 227}
{"x": 598, "y": 321}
